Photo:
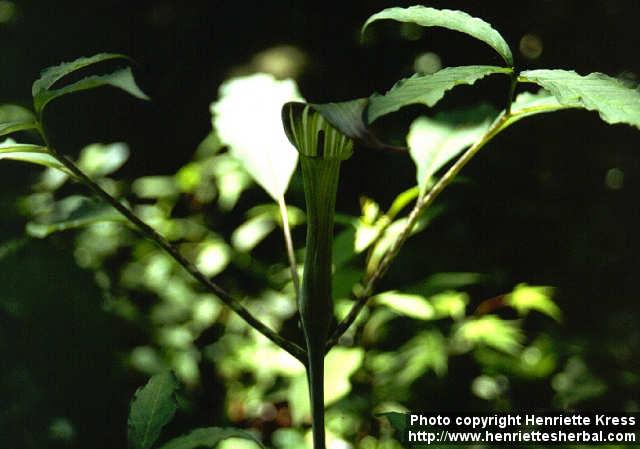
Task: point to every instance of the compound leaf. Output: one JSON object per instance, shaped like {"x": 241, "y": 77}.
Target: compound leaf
{"x": 452, "y": 20}
{"x": 426, "y": 89}
{"x": 611, "y": 98}
{"x": 25, "y": 152}
{"x": 207, "y": 437}
{"x": 152, "y": 407}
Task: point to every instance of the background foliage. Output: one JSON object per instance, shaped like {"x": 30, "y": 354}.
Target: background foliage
{"x": 87, "y": 315}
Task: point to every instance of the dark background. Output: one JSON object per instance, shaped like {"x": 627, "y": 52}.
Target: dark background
{"x": 536, "y": 207}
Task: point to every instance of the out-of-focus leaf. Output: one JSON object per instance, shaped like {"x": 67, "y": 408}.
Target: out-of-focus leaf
{"x": 207, "y": 437}
{"x": 433, "y": 142}
{"x": 450, "y": 304}
{"x": 246, "y": 236}
{"x": 73, "y": 212}
{"x": 611, "y": 98}
{"x": 426, "y": 89}
{"x": 24, "y": 152}
{"x": 99, "y": 160}
{"x": 154, "y": 187}
{"x": 247, "y": 117}
{"x": 526, "y": 298}
{"x": 122, "y": 79}
{"x": 152, "y": 407}
{"x": 213, "y": 257}
{"x": 491, "y": 331}
{"x": 440, "y": 282}
{"x": 398, "y": 421}
{"x": 413, "y": 306}
{"x": 450, "y": 19}
{"x": 14, "y": 118}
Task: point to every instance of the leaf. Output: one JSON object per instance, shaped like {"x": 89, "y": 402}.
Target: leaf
{"x": 152, "y": 407}
{"x": 247, "y": 117}
{"x": 24, "y": 152}
{"x": 491, "y": 331}
{"x": 611, "y": 98}
{"x": 50, "y": 75}
{"x": 426, "y": 89}
{"x": 526, "y": 298}
{"x": 98, "y": 160}
{"x": 14, "y": 118}
{"x": 399, "y": 421}
{"x": 414, "y": 306}
{"x": 122, "y": 79}
{"x": 73, "y": 212}
{"x": 434, "y": 142}
{"x": 207, "y": 437}
{"x": 452, "y": 20}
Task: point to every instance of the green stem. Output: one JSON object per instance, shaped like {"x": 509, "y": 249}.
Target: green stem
{"x": 153, "y": 235}
{"x": 320, "y": 177}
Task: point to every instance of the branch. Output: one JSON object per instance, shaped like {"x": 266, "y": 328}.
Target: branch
{"x": 153, "y": 235}
{"x": 422, "y": 203}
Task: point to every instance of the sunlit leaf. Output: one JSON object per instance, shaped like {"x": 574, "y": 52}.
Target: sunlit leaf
{"x": 122, "y": 79}
{"x": 99, "y": 160}
{"x": 413, "y": 306}
{"x": 247, "y": 117}
{"x": 24, "y": 152}
{"x": 491, "y": 331}
{"x": 453, "y": 20}
{"x": 14, "y": 118}
{"x": 247, "y": 236}
{"x": 426, "y": 351}
{"x": 426, "y": 89}
{"x": 527, "y": 104}
{"x": 73, "y": 212}
{"x": 433, "y": 142}
{"x": 207, "y": 437}
{"x": 526, "y": 298}
{"x": 50, "y": 75}
{"x": 611, "y": 98}
{"x": 152, "y": 407}
{"x": 450, "y": 304}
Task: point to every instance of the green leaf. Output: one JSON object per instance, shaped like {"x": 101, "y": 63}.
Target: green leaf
{"x": 98, "y": 160}
{"x": 14, "y": 118}
{"x": 152, "y": 407}
{"x": 247, "y": 118}
{"x": 427, "y": 89}
{"x": 414, "y": 306}
{"x": 399, "y": 421}
{"x": 24, "y": 152}
{"x": 122, "y": 79}
{"x": 71, "y": 213}
{"x": 526, "y": 298}
{"x": 452, "y": 20}
{"x": 433, "y": 142}
{"x": 50, "y": 75}
{"x": 611, "y": 98}
{"x": 490, "y": 331}
{"x": 207, "y": 437}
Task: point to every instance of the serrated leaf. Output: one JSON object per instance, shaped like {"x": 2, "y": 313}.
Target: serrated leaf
{"x": 14, "y": 118}
{"x": 50, "y": 75}
{"x": 426, "y": 89}
{"x": 433, "y": 142}
{"x": 450, "y": 19}
{"x": 207, "y": 437}
{"x": 24, "y": 152}
{"x": 247, "y": 117}
{"x": 526, "y": 298}
{"x": 611, "y": 98}
{"x": 122, "y": 79}
{"x": 71, "y": 213}
{"x": 414, "y": 306}
{"x": 152, "y": 407}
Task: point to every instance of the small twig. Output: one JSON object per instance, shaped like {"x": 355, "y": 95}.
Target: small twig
{"x": 286, "y": 229}
{"x": 153, "y": 235}
{"x": 422, "y": 203}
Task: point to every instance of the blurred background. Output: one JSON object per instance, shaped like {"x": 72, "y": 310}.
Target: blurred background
{"x": 520, "y": 293}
